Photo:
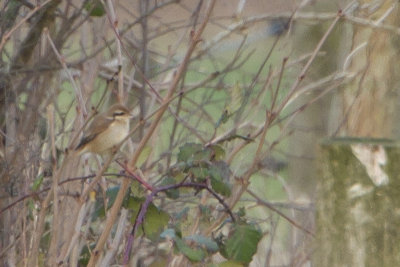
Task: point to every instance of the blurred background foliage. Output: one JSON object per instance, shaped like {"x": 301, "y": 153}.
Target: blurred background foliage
{"x": 231, "y": 160}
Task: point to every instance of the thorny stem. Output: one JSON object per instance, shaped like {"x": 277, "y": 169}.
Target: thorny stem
{"x": 126, "y": 182}
{"x": 143, "y": 209}
{"x": 68, "y": 180}
{"x": 271, "y": 207}
{"x": 137, "y": 177}
{"x": 271, "y": 116}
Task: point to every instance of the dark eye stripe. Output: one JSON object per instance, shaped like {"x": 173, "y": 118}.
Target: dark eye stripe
{"x": 119, "y": 113}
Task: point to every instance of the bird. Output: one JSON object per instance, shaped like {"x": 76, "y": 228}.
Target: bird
{"x": 107, "y": 130}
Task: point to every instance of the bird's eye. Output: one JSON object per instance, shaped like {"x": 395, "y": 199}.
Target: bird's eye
{"x": 119, "y": 113}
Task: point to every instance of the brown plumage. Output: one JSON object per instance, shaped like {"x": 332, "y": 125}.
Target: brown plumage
{"x": 107, "y": 130}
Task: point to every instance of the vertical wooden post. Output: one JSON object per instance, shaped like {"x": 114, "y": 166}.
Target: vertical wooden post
{"x": 358, "y": 207}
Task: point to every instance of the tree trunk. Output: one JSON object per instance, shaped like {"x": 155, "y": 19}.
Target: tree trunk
{"x": 357, "y": 220}
{"x": 371, "y": 99}
{"x": 312, "y": 124}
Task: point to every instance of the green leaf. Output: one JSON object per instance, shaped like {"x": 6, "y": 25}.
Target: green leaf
{"x": 242, "y": 244}
{"x": 219, "y": 175}
{"x": 95, "y": 8}
{"x": 241, "y": 212}
{"x": 85, "y": 256}
{"x": 172, "y": 193}
{"x": 220, "y": 169}
{"x": 154, "y": 222}
{"x": 224, "y": 118}
{"x": 219, "y": 152}
{"x": 111, "y": 194}
{"x": 37, "y": 182}
{"x": 203, "y": 241}
{"x": 133, "y": 204}
{"x": 220, "y": 187}
{"x": 203, "y": 155}
{"x": 99, "y": 210}
{"x": 200, "y": 173}
{"x": 138, "y": 190}
{"x": 206, "y": 212}
{"x": 168, "y": 233}
{"x": 190, "y": 152}
{"x": 31, "y": 208}
{"x": 193, "y": 254}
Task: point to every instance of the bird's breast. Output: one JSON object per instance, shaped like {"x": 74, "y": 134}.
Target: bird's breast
{"x": 112, "y": 136}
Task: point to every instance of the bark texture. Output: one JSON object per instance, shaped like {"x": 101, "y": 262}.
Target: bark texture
{"x": 357, "y": 216}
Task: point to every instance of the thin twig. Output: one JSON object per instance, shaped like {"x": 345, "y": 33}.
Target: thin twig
{"x": 292, "y": 222}
{"x": 65, "y": 181}
{"x": 126, "y": 182}
{"x": 114, "y": 22}
{"x": 113, "y": 248}
{"x": 61, "y": 59}
{"x": 56, "y": 219}
{"x": 305, "y": 69}
{"x": 143, "y": 209}
{"x": 137, "y": 177}
{"x": 8, "y": 34}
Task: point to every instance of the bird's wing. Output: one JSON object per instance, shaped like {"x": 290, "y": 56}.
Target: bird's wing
{"x": 98, "y": 125}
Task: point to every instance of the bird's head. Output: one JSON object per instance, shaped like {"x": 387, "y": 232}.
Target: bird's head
{"x": 118, "y": 112}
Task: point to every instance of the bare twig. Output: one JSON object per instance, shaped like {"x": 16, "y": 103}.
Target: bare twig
{"x": 292, "y": 222}
{"x": 305, "y": 69}
{"x": 55, "y": 233}
{"x": 137, "y": 177}
{"x": 78, "y": 91}
{"x": 114, "y": 22}
{"x": 113, "y": 248}
{"x": 143, "y": 208}
{"x": 125, "y": 183}
{"x": 8, "y": 34}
